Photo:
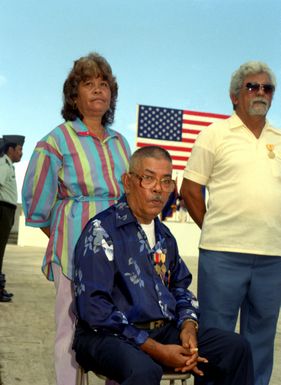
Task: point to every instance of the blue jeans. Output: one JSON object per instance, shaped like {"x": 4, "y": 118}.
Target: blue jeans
{"x": 229, "y": 282}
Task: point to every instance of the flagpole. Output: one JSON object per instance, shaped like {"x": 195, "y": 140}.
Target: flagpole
{"x": 137, "y": 126}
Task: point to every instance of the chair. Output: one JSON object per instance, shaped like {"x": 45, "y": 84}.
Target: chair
{"x": 83, "y": 378}
{"x": 173, "y": 377}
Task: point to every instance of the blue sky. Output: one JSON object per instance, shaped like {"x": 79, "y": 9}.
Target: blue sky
{"x": 169, "y": 53}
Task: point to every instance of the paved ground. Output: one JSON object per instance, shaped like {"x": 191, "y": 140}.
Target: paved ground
{"x": 27, "y": 324}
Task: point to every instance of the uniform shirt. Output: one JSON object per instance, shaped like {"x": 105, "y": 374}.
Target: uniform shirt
{"x": 8, "y": 185}
{"x": 243, "y": 178}
{"x": 71, "y": 176}
{"x": 116, "y": 282}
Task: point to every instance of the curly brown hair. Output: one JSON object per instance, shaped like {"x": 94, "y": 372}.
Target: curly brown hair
{"x": 83, "y": 68}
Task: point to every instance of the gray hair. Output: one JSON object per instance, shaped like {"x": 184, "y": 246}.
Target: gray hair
{"x": 148, "y": 152}
{"x": 249, "y": 68}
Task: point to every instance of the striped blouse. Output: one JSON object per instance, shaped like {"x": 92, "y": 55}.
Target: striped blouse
{"x": 71, "y": 176}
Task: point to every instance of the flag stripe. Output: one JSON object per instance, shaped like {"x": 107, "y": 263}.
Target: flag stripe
{"x": 196, "y": 122}
{"x": 190, "y": 131}
{"x": 206, "y": 114}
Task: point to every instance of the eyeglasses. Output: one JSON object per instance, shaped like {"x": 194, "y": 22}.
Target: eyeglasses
{"x": 148, "y": 181}
{"x": 255, "y": 87}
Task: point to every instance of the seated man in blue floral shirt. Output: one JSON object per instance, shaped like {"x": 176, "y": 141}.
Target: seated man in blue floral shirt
{"x": 136, "y": 316}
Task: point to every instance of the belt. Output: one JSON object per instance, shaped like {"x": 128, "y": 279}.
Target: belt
{"x": 8, "y": 205}
{"x": 151, "y": 325}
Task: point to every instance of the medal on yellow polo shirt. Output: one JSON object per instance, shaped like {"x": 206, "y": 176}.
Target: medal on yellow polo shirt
{"x": 271, "y": 153}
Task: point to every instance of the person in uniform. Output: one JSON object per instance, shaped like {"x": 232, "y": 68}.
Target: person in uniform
{"x": 10, "y": 152}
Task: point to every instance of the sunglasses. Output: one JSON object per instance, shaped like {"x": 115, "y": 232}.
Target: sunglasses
{"x": 255, "y": 87}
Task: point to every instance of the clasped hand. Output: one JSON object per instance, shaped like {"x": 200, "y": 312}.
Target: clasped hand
{"x": 182, "y": 359}
{"x": 189, "y": 351}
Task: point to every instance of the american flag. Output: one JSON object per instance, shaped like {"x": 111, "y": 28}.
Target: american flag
{"x": 173, "y": 129}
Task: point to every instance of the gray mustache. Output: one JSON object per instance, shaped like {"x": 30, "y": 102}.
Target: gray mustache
{"x": 157, "y": 197}
{"x": 259, "y": 99}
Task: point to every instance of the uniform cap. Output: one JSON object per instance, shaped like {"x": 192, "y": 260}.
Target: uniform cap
{"x": 14, "y": 139}
{"x": 1, "y": 145}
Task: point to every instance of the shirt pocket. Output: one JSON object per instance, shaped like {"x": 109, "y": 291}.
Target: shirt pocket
{"x": 11, "y": 178}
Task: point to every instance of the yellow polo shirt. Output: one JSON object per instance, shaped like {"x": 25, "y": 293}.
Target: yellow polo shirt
{"x": 243, "y": 178}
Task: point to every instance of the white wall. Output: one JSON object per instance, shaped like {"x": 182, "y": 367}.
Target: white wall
{"x": 187, "y": 235}
{"x": 30, "y": 236}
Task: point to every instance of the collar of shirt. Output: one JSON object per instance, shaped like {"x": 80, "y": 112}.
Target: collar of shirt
{"x": 82, "y": 130}
{"x": 236, "y": 122}
{"x": 124, "y": 216}
{"x": 8, "y": 160}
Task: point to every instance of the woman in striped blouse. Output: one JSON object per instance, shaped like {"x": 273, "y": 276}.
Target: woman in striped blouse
{"x": 74, "y": 173}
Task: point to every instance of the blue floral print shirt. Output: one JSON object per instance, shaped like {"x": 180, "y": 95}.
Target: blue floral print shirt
{"x": 119, "y": 280}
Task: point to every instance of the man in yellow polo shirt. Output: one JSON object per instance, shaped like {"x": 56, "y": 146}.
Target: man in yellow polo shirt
{"x": 10, "y": 152}
{"x": 239, "y": 161}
